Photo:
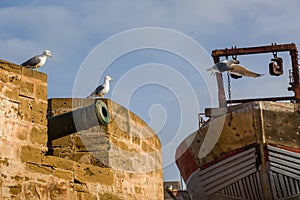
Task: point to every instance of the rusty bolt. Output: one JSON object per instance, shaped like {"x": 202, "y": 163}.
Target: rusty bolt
{"x": 293, "y": 140}
{"x": 281, "y": 132}
{"x": 280, "y": 139}
{"x": 268, "y": 125}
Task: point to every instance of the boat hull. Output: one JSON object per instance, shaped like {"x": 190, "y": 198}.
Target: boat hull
{"x": 256, "y": 155}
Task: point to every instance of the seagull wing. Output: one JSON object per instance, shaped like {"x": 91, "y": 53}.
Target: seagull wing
{"x": 32, "y": 62}
{"x": 96, "y": 91}
{"x": 219, "y": 67}
{"x": 242, "y": 71}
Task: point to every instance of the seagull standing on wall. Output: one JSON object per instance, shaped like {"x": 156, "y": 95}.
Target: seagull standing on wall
{"x": 37, "y": 61}
{"x": 103, "y": 89}
{"x": 233, "y": 67}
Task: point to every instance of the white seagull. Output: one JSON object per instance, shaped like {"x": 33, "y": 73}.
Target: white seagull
{"x": 103, "y": 89}
{"x": 222, "y": 66}
{"x": 37, "y": 61}
{"x": 233, "y": 67}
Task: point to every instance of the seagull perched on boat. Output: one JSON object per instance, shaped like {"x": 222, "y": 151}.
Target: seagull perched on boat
{"x": 103, "y": 89}
{"x": 233, "y": 67}
{"x": 37, "y": 61}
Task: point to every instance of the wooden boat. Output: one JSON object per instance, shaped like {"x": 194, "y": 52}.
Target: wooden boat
{"x": 248, "y": 148}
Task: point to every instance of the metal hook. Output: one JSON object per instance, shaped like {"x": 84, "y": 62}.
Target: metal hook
{"x": 274, "y": 52}
{"x": 234, "y": 57}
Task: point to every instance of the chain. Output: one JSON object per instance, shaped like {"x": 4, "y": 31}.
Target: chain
{"x": 229, "y": 86}
{"x": 229, "y": 97}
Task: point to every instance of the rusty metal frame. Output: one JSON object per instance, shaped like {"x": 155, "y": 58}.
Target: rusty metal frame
{"x": 216, "y": 54}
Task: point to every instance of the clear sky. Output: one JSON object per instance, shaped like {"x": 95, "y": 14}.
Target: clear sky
{"x": 156, "y": 51}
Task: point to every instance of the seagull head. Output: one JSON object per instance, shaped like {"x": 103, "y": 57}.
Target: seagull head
{"x": 108, "y": 78}
{"x": 47, "y": 53}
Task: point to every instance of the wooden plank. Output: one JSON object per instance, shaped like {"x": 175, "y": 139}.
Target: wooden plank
{"x": 257, "y": 195}
{"x": 285, "y": 170}
{"x": 292, "y": 185}
{"x": 221, "y": 184}
{"x": 297, "y": 186}
{"x": 258, "y": 177}
{"x": 237, "y": 189}
{"x": 272, "y": 183}
{"x": 284, "y": 163}
{"x": 208, "y": 172}
{"x": 286, "y": 180}
{"x": 283, "y": 151}
{"x": 243, "y": 192}
{"x": 277, "y": 186}
{"x": 282, "y": 185}
{"x": 227, "y": 173}
{"x": 229, "y": 160}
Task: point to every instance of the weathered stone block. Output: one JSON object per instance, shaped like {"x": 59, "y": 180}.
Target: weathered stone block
{"x": 26, "y": 88}
{"x": 41, "y": 91}
{"x": 88, "y": 173}
{"x": 66, "y": 141}
{"x": 90, "y": 141}
{"x": 56, "y": 162}
{"x": 10, "y": 67}
{"x": 40, "y": 76}
{"x": 39, "y": 135}
{"x": 39, "y": 110}
{"x": 64, "y": 174}
{"x": 31, "y": 154}
{"x": 80, "y": 187}
{"x": 42, "y": 169}
{"x": 12, "y": 93}
{"x": 22, "y": 133}
{"x": 25, "y": 108}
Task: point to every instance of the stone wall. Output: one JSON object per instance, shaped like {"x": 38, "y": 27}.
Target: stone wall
{"x": 29, "y": 171}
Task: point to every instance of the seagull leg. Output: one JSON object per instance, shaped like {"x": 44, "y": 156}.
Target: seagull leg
{"x": 36, "y": 68}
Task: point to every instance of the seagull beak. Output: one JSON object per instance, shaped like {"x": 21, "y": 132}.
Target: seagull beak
{"x": 50, "y": 56}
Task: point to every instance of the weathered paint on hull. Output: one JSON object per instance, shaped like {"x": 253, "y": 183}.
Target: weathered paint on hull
{"x": 257, "y": 155}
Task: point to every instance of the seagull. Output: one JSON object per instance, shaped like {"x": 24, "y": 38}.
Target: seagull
{"x": 222, "y": 66}
{"x": 37, "y": 61}
{"x": 103, "y": 89}
{"x": 234, "y": 68}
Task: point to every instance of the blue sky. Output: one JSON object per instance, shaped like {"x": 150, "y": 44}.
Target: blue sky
{"x": 76, "y": 30}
